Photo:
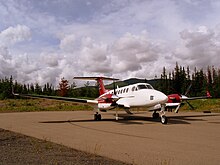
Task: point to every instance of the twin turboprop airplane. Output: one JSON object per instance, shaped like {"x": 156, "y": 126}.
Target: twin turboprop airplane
{"x": 127, "y": 97}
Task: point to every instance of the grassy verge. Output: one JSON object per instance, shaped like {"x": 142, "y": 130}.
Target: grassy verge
{"x": 28, "y": 105}
{"x": 212, "y": 105}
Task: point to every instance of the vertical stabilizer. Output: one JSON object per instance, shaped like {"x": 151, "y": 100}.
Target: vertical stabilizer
{"x": 102, "y": 89}
{"x": 99, "y": 80}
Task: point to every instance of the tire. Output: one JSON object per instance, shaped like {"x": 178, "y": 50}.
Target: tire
{"x": 164, "y": 120}
{"x": 95, "y": 117}
{"x": 99, "y": 117}
{"x": 155, "y": 115}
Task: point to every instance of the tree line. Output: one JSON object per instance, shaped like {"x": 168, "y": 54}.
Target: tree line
{"x": 180, "y": 80}
{"x": 64, "y": 89}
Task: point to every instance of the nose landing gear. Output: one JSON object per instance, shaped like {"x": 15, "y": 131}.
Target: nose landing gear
{"x": 162, "y": 116}
{"x": 156, "y": 115}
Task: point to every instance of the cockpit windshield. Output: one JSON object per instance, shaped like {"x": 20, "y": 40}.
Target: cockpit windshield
{"x": 144, "y": 86}
{"x": 149, "y": 87}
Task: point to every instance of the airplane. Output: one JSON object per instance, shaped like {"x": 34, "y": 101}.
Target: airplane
{"x": 176, "y": 100}
{"x": 127, "y": 97}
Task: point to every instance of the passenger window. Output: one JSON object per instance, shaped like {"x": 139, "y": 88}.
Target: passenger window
{"x": 133, "y": 88}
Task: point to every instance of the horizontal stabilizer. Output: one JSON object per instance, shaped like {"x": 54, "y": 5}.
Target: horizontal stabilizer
{"x": 95, "y": 78}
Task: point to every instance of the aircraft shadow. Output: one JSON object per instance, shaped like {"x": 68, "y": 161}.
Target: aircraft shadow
{"x": 132, "y": 120}
{"x": 122, "y": 121}
{"x": 125, "y": 119}
{"x": 188, "y": 118}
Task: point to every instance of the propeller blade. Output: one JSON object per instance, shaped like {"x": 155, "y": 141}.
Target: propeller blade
{"x": 188, "y": 89}
{"x": 115, "y": 97}
{"x": 114, "y": 88}
{"x": 190, "y": 105}
{"x": 177, "y": 108}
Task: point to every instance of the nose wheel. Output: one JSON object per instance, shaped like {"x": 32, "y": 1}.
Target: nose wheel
{"x": 162, "y": 116}
{"x": 164, "y": 119}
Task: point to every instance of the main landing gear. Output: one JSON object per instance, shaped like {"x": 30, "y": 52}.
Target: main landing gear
{"x": 97, "y": 117}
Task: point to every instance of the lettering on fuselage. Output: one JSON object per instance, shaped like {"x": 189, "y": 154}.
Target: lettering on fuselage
{"x": 151, "y": 97}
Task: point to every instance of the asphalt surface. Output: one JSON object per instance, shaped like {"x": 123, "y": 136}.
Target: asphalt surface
{"x": 188, "y": 138}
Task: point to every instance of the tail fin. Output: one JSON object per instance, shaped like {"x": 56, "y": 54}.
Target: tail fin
{"x": 99, "y": 80}
{"x": 102, "y": 89}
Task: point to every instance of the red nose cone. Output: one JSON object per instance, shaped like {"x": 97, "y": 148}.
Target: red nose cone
{"x": 174, "y": 98}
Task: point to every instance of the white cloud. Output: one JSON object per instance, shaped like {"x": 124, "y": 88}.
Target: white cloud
{"x": 94, "y": 57}
{"x": 42, "y": 42}
{"x": 14, "y": 35}
{"x": 68, "y": 43}
{"x": 201, "y": 47}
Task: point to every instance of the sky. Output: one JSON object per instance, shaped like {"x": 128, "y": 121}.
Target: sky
{"x": 42, "y": 41}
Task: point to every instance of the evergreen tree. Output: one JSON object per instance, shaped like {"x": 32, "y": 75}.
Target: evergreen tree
{"x": 38, "y": 89}
{"x": 63, "y": 87}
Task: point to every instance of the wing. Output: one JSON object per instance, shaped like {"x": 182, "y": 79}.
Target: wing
{"x": 58, "y": 98}
{"x": 195, "y": 98}
{"x": 208, "y": 95}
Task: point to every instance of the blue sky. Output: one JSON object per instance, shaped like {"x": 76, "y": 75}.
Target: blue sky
{"x": 45, "y": 40}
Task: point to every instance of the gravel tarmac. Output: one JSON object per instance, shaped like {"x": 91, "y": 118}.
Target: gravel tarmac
{"x": 20, "y": 150}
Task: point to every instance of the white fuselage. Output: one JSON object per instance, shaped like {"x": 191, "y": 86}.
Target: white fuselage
{"x": 137, "y": 95}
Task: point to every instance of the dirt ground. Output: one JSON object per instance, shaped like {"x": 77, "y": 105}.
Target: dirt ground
{"x": 20, "y": 149}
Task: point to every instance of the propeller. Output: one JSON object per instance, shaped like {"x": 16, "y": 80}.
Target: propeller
{"x": 177, "y": 108}
{"x": 114, "y": 88}
{"x": 114, "y": 96}
{"x": 115, "y": 99}
{"x": 188, "y": 89}
{"x": 190, "y": 105}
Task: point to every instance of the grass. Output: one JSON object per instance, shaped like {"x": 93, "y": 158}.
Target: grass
{"x": 28, "y": 105}
{"x": 200, "y": 105}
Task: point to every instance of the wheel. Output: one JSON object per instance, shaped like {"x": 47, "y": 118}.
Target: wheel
{"x": 95, "y": 117}
{"x": 164, "y": 119}
{"x": 155, "y": 115}
{"x": 99, "y": 117}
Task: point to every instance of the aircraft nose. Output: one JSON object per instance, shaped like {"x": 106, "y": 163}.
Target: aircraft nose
{"x": 163, "y": 98}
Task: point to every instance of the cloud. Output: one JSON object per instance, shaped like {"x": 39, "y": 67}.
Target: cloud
{"x": 45, "y": 41}
{"x": 94, "y": 57}
{"x": 201, "y": 46}
{"x": 14, "y": 35}
{"x": 133, "y": 52}
{"x": 50, "y": 59}
{"x": 68, "y": 43}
